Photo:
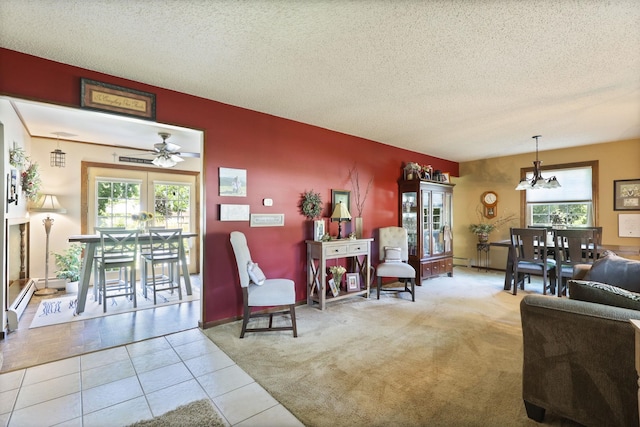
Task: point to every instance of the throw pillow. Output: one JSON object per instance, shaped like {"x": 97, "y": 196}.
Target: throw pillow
{"x": 602, "y": 293}
{"x": 392, "y": 254}
{"x": 617, "y": 271}
{"x": 255, "y": 273}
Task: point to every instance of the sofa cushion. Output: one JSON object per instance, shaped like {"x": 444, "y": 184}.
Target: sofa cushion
{"x": 603, "y": 293}
{"x": 617, "y": 271}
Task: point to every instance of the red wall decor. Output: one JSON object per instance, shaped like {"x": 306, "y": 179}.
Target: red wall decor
{"x": 283, "y": 158}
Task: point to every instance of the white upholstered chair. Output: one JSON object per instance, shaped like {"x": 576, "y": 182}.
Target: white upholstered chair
{"x": 258, "y": 291}
{"x": 394, "y": 256}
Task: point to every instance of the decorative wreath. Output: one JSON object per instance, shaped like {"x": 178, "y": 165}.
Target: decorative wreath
{"x": 311, "y": 205}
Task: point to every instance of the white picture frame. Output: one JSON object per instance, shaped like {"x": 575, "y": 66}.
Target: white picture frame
{"x": 234, "y": 212}
{"x": 267, "y": 220}
{"x": 333, "y": 287}
{"x": 318, "y": 229}
{"x": 353, "y": 282}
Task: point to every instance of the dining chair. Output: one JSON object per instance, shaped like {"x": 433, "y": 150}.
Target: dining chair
{"x": 163, "y": 248}
{"x": 530, "y": 256}
{"x": 258, "y": 291}
{"x": 118, "y": 251}
{"x": 574, "y": 246}
{"x": 96, "y": 271}
{"x": 394, "y": 256}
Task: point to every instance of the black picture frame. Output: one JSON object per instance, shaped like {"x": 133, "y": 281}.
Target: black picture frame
{"x": 340, "y": 196}
{"x": 99, "y": 96}
{"x": 626, "y": 195}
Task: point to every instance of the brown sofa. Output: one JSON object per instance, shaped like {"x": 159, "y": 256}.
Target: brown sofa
{"x": 579, "y": 354}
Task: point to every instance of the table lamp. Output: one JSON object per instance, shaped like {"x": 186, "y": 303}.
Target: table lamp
{"x": 340, "y": 213}
{"x": 47, "y": 203}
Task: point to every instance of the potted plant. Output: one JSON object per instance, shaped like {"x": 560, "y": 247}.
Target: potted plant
{"x": 68, "y": 263}
{"x": 483, "y": 228}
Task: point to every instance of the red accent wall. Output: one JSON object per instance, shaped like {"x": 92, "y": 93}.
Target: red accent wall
{"x": 283, "y": 158}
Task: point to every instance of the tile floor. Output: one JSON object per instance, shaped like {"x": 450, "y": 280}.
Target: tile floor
{"x": 124, "y": 384}
{"x": 115, "y": 370}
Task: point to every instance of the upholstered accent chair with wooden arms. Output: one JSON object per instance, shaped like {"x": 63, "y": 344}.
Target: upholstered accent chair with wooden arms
{"x": 394, "y": 254}
{"x": 258, "y": 291}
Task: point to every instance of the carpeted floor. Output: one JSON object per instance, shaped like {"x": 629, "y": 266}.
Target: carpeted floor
{"x": 452, "y": 358}
{"x": 195, "y": 414}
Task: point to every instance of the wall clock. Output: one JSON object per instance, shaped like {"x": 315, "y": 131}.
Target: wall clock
{"x": 490, "y": 202}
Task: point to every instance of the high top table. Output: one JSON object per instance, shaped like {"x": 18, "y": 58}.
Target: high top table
{"x": 92, "y": 241}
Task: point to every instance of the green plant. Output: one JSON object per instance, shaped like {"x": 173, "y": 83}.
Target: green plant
{"x": 484, "y": 227}
{"x": 69, "y": 262}
{"x": 31, "y": 182}
{"x": 17, "y": 157}
{"x": 311, "y": 204}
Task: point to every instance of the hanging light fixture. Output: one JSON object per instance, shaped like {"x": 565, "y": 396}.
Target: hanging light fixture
{"x": 537, "y": 181}
{"x": 57, "y": 157}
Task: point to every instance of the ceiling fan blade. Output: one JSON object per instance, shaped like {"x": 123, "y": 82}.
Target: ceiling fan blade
{"x": 176, "y": 158}
{"x": 195, "y": 155}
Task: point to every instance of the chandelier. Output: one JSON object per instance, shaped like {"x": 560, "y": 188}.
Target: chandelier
{"x": 537, "y": 181}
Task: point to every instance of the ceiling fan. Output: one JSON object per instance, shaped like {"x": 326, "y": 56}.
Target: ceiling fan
{"x": 168, "y": 154}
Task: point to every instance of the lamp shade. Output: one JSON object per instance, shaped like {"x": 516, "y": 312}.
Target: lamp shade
{"x": 340, "y": 212}
{"x": 47, "y": 203}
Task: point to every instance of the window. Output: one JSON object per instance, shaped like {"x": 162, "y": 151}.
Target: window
{"x": 570, "y": 205}
{"x": 116, "y": 201}
{"x": 172, "y": 205}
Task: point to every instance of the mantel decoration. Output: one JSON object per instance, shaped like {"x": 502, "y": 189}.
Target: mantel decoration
{"x": 359, "y": 199}
{"x": 31, "y": 182}
{"x": 143, "y": 218}
{"x": 311, "y": 207}
{"x": 413, "y": 170}
{"x": 483, "y": 228}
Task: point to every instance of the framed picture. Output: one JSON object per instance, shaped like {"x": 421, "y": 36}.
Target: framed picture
{"x": 267, "y": 220}
{"x": 318, "y": 229}
{"x": 445, "y": 177}
{"x": 340, "y": 196}
{"x": 117, "y": 99}
{"x": 353, "y": 282}
{"x": 626, "y": 195}
{"x": 233, "y": 182}
{"x": 333, "y": 287}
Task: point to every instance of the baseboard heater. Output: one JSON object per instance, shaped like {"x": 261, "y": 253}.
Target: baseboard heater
{"x": 20, "y": 304}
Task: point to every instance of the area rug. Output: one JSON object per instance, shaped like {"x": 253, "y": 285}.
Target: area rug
{"x": 53, "y": 311}
{"x": 195, "y": 414}
{"x": 451, "y": 358}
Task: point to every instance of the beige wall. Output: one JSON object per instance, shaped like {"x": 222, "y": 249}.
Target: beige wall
{"x": 617, "y": 160}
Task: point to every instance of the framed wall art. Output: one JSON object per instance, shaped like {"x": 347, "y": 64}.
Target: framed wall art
{"x": 626, "y": 195}
{"x": 233, "y": 182}
{"x": 341, "y": 196}
{"x": 267, "y": 220}
{"x": 234, "y": 212}
{"x": 117, "y": 99}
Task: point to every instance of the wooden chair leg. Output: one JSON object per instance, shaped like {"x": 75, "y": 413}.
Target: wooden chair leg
{"x": 379, "y": 286}
{"x": 292, "y": 309}
{"x": 245, "y": 320}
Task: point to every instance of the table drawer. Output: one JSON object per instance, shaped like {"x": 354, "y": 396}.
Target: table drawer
{"x": 358, "y": 249}
{"x": 336, "y": 250}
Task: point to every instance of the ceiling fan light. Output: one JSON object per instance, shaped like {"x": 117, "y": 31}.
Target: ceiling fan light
{"x": 163, "y": 162}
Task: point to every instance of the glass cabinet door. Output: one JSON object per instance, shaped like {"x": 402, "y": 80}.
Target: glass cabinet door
{"x": 426, "y": 224}
{"x": 410, "y": 219}
{"x": 437, "y": 213}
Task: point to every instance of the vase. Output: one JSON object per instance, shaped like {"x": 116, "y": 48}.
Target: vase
{"x": 483, "y": 237}
{"x": 359, "y": 227}
{"x": 337, "y": 279}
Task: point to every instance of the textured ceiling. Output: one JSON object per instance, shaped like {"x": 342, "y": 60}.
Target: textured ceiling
{"x": 460, "y": 80}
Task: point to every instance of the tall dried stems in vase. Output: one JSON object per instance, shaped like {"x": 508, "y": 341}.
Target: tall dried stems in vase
{"x": 359, "y": 199}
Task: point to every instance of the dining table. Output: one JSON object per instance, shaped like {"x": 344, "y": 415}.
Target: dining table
{"x": 510, "y": 270}
{"x": 92, "y": 241}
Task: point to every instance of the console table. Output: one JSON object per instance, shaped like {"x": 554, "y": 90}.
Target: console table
{"x": 359, "y": 250}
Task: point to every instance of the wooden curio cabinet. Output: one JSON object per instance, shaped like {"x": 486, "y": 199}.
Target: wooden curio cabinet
{"x": 426, "y": 212}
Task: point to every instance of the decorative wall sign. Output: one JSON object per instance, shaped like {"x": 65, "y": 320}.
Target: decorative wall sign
{"x": 234, "y": 212}
{"x": 267, "y": 220}
{"x": 233, "y": 182}
{"x": 117, "y": 99}
{"x": 626, "y": 195}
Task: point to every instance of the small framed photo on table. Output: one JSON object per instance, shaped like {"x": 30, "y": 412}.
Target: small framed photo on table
{"x": 353, "y": 282}
{"x": 333, "y": 287}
